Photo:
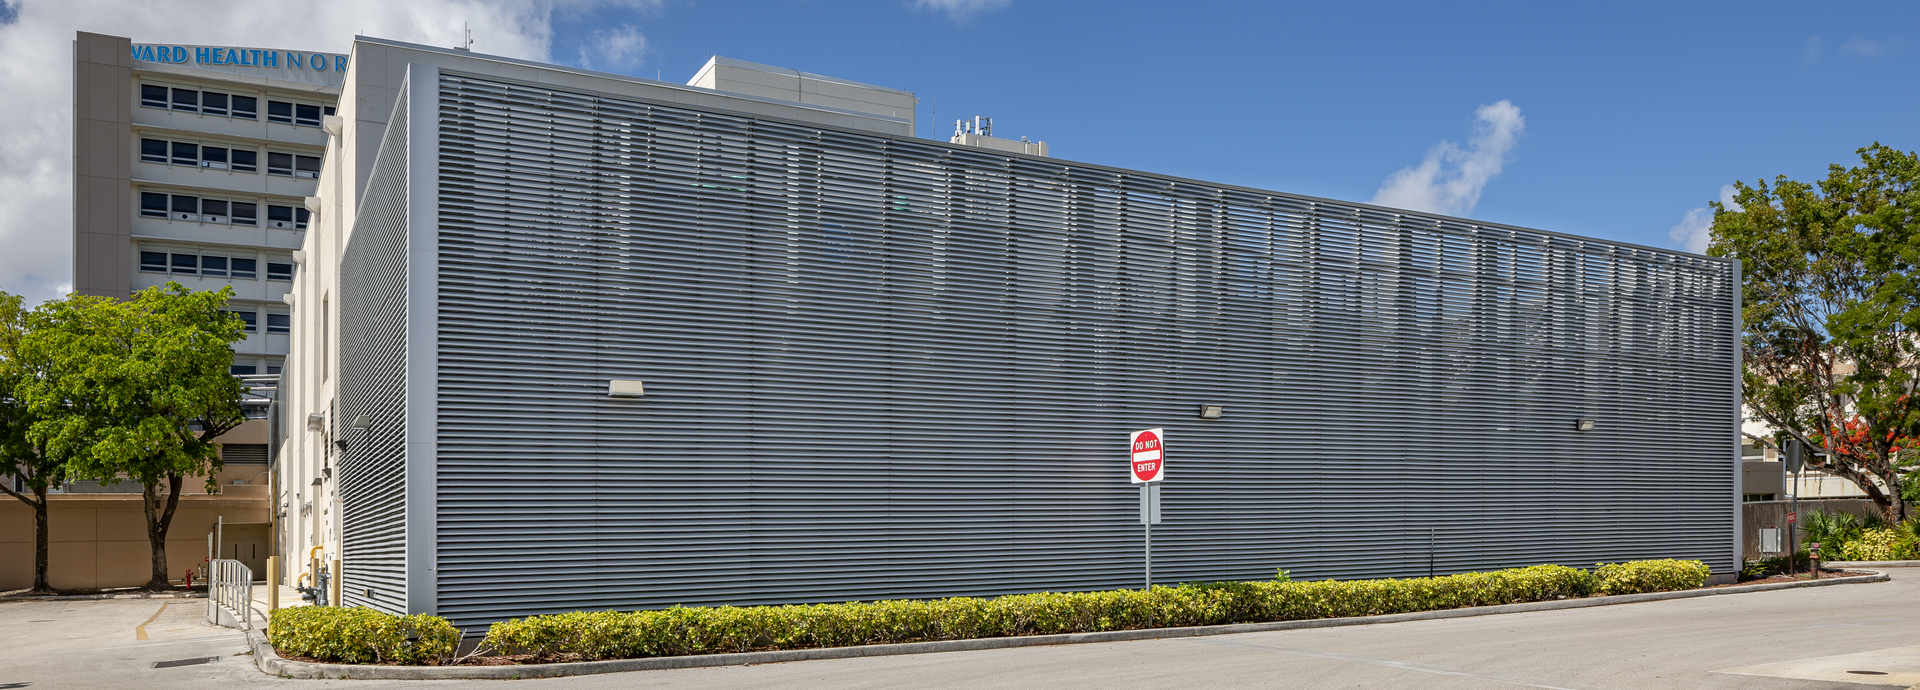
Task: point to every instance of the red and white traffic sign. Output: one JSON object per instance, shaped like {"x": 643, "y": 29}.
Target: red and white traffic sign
{"x": 1791, "y": 516}
{"x": 1149, "y": 461}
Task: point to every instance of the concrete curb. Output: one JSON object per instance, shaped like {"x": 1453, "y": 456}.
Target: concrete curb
{"x": 1870, "y": 564}
{"x": 81, "y": 597}
{"x": 271, "y": 662}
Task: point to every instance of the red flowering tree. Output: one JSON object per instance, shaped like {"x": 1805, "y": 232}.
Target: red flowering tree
{"x": 1831, "y": 313}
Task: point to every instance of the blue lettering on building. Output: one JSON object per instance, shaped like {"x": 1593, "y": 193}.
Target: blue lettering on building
{"x": 209, "y": 55}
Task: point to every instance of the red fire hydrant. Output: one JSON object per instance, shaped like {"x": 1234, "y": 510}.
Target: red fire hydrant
{"x": 189, "y": 579}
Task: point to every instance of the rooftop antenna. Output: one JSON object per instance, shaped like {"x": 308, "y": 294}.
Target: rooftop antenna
{"x": 466, "y": 43}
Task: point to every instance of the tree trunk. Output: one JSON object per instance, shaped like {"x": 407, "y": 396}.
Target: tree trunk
{"x": 39, "y": 531}
{"x": 40, "y": 541}
{"x": 158, "y": 520}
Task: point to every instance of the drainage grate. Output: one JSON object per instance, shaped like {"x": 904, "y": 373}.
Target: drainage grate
{"x": 186, "y": 662}
{"x": 1869, "y": 673}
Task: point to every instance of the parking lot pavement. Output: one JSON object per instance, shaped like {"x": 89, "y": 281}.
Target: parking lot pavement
{"x": 1791, "y": 639}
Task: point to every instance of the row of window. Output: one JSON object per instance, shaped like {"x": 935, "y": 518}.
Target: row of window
{"x": 225, "y": 158}
{"x": 220, "y": 211}
{"x": 211, "y": 265}
{"x": 276, "y": 323}
{"x": 250, "y": 370}
{"x": 231, "y": 105}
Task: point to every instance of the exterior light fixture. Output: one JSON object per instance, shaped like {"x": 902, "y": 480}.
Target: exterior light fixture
{"x": 625, "y": 388}
{"x": 360, "y": 423}
{"x": 316, "y": 481}
{"x": 1212, "y": 411}
{"x": 341, "y": 444}
{"x": 317, "y": 421}
{"x": 1583, "y": 425}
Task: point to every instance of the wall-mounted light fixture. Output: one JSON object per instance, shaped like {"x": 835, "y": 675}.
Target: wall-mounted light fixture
{"x": 360, "y": 423}
{"x": 341, "y": 444}
{"x": 1583, "y": 425}
{"x": 316, "y": 481}
{"x": 317, "y": 421}
{"x": 625, "y": 388}
{"x": 1212, "y": 411}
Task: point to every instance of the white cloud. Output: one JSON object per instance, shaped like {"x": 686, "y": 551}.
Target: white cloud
{"x": 1451, "y": 178}
{"x": 1867, "y": 47}
{"x": 617, "y": 48}
{"x": 36, "y": 64}
{"x": 1695, "y": 230}
{"x": 1814, "y": 50}
{"x": 961, "y": 9}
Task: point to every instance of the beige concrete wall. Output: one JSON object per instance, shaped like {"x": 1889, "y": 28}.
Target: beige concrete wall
{"x": 102, "y": 165}
{"x": 100, "y": 540}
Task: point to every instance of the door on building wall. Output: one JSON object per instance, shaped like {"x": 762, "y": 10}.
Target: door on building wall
{"x": 247, "y": 543}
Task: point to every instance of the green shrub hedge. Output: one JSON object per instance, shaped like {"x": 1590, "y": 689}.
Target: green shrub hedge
{"x": 362, "y": 636}
{"x": 1635, "y": 577}
{"x": 1881, "y": 544}
{"x": 709, "y": 630}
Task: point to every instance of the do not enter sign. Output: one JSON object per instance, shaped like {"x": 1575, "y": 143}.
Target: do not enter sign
{"x": 1149, "y": 461}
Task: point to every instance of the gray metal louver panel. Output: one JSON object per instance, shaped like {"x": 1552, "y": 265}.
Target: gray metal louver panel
{"x": 887, "y": 367}
{"x": 373, "y": 384}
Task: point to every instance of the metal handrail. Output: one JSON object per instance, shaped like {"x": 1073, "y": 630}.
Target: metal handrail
{"x": 230, "y": 586}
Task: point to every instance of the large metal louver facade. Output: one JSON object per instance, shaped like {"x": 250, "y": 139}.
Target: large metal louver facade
{"x": 890, "y": 367}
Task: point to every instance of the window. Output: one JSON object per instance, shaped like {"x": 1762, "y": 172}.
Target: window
{"x": 213, "y": 103}
{"x": 279, "y": 163}
{"x": 279, "y": 323}
{"x": 308, "y": 115}
{"x": 327, "y": 109}
{"x": 153, "y": 205}
{"x": 307, "y": 167}
{"x": 280, "y": 111}
{"x": 153, "y": 96}
{"x": 185, "y": 263}
{"x": 245, "y": 107}
{"x": 153, "y": 262}
{"x": 300, "y": 216}
{"x": 245, "y": 213}
{"x": 186, "y": 99}
{"x": 185, "y": 208}
{"x": 273, "y": 369}
{"x": 242, "y": 370}
{"x": 280, "y": 217}
{"x": 213, "y": 157}
{"x": 245, "y": 160}
{"x": 213, "y": 266}
{"x": 243, "y": 268}
{"x": 213, "y": 211}
{"x": 185, "y": 153}
{"x": 279, "y": 271}
{"x": 250, "y": 319}
{"x": 153, "y": 150}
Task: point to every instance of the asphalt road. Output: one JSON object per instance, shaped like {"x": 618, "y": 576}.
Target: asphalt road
{"x": 1791, "y": 639}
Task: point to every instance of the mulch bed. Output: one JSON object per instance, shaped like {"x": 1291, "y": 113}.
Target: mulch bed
{"x": 1797, "y": 577}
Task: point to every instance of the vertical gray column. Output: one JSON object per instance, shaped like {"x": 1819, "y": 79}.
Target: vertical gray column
{"x": 102, "y": 165}
{"x": 422, "y": 93}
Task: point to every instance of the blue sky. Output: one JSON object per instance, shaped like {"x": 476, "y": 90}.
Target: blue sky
{"x": 1618, "y": 122}
{"x": 1634, "y": 115}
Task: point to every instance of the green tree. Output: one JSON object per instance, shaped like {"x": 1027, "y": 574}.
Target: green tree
{"x": 1831, "y": 309}
{"x": 136, "y": 389}
{"x": 33, "y": 470}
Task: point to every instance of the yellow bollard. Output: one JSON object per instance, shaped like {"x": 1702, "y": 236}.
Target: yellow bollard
{"x": 273, "y": 584}
{"x": 333, "y": 597}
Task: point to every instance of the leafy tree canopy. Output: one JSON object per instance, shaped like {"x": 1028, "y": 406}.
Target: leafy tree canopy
{"x": 1831, "y": 308}
{"x": 136, "y": 388}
